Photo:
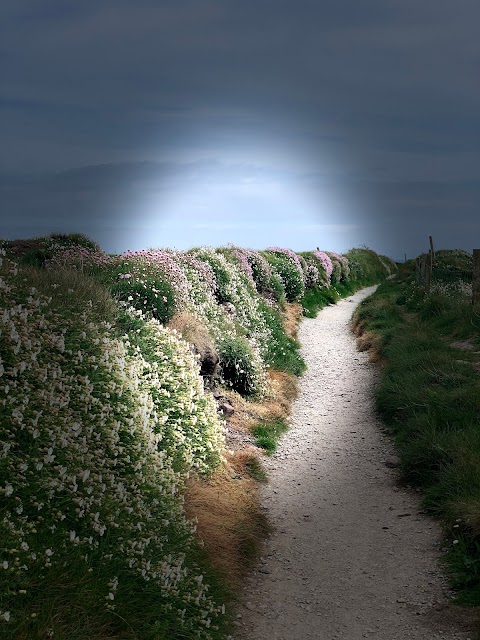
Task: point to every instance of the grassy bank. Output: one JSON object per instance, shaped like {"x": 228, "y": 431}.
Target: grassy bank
{"x": 429, "y": 398}
{"x": 116, "y": 375}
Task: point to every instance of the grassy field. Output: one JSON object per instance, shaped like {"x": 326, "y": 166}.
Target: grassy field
{"x": 428, "y": 346}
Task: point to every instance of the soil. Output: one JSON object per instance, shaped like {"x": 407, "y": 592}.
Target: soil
{"x": 352, "y": 555}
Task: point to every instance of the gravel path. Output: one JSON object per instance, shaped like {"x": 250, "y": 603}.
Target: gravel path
{"x": 352, "y": 555}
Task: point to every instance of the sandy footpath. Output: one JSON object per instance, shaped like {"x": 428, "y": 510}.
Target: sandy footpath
{"x": 352, "y": 556}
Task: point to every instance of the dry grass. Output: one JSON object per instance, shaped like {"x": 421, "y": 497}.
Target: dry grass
{"x": 282, "y": 391}
{"x": 291, "y": 318}
{"x": 367, "y": 341}
{"x": 193, "y": 331}
{"x": 229, "y": 518}
{"x": 227, "y": 506}
{"x": 370, "y": 342}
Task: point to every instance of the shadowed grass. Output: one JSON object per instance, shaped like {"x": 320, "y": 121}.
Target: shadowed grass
{"x": 429, "y": 398}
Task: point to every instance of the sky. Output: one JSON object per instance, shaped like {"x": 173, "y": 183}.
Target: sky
{"x": 294, "y": 123}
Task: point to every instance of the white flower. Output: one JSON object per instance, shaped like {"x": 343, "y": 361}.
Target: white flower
{"x": 50, "y": 457}
{"x": 6, "y": 615}
{"x": 5, "y": 564}
{"x": 24, "y": 546}
{"x": 49, "y": 553}
{"x": 76, "y": 427}
{"x": 73, "y": 535}
{"x": 8, "y": 490}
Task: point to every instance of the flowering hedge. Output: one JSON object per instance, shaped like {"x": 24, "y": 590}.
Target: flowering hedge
{"x": 288, "y": 266}
{"x": 97, "y": 431}
{"x": 104, "y": 414}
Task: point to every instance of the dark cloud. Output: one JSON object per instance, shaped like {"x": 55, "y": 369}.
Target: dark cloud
{"x": 377, "y": 100}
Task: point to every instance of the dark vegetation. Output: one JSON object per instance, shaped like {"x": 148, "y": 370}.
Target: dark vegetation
{"x": 429, "y": 398}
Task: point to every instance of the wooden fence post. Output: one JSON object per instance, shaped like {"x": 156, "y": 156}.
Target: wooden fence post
{"x": 476, "y": 277}
{"x": 431, "y": 248}
{"x": 428, "y": 270}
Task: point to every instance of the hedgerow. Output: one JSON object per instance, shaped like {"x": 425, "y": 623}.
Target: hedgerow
{"x": 98, "y": 430}
{"x": 103, "y": 414}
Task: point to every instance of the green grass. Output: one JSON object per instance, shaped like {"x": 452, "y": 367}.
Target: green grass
{"x": 429, "y": 399}
{"x": 316, "y": 299}
{"x": 269, "y": 433}
{"x": 282, "y": 351}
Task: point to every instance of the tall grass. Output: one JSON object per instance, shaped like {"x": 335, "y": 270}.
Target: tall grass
{"x": 429, "y": 398}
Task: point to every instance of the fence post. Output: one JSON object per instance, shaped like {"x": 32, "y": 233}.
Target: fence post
{"x": 428, "y": 270}
{"x": 476, "y": 277}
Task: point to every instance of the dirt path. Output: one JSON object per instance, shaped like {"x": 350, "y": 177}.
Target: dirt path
{"x": 352, "y": 556}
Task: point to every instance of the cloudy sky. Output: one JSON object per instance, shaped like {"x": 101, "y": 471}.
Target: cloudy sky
{"x": 300, "y": 123}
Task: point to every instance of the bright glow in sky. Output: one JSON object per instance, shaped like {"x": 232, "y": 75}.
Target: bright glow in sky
{"x": 253, "y": 212}
{"x": 254, "y": 197}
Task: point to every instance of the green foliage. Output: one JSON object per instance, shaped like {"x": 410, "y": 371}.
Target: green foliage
{"x": 282, "y": 351}
{"x": 240, "y": 369}
{"x": 223, "y": 292}
{"x": 276, "y": 288}
{"x": 106, "y": 410}
{"x": 74, "y": 240}
{"x": 153, "y": 295}
{"x": 368, "y": 266}
{"x": 316, "y": 299}
{"x": 267, "y": 434}
{"x": 454, "y": 260}
{"x": 289, "y": 275}
{"x": 429, "y": 398}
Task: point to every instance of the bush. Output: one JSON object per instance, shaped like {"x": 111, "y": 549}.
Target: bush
{"x": 149, "y": 281}
{"x": 316, "y": 273}
{"x": 221, "y": 269}
{"x": 336, "y": 275}
{"x": 241, "y": 367}
{"x": 288, "y": 267}
{"x": 370, "y": 268}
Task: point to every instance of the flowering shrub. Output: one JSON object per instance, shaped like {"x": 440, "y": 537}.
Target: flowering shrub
{"x": 239, "y": 256}
{"x": 315, "y": 274}
{"x": 96, "y": 432}
{"x": 151, "y": 281}
{"x": 224, "y": 291}
{"x": 326, "y": 262}
{"x": 291, "y": 255}
{"x": 288, "y": 266}
{"x": 242, "y": 368}
{"x": 356, "y": 270}
{"x": 75, "y": 256}
{"x": 336, "y": 275}
{"x": 243, "y": 317}
{"x": 343, "y": 263}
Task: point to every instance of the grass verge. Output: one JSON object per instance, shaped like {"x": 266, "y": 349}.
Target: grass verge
{"x": 429, "y": 399}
